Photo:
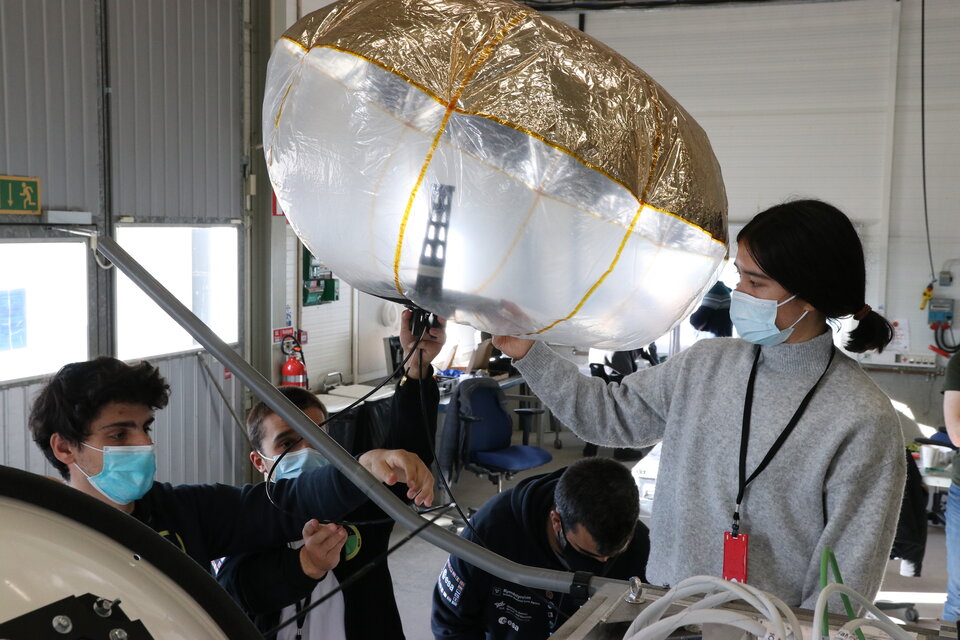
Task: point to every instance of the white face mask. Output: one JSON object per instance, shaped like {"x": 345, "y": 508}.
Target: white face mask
{"x": 756, "y": 319}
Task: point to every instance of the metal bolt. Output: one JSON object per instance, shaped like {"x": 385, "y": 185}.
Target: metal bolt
{"x": 118, "y": 634}
{"x": 62, "y": 624}
{"x": 636, "y": 591}
{"x": 103, "y": 607}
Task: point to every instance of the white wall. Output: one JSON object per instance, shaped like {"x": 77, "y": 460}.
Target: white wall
{"x": 909, "y": 270}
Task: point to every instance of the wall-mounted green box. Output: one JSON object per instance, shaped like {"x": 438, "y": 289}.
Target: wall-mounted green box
{"x": 319, "y": 285}
{"x": 320, "y": 291}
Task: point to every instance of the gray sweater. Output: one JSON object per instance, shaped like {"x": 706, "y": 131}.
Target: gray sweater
{"x": 837, "y": 481}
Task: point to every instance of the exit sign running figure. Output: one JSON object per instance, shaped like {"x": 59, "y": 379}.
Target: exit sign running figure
{"x": 20, "y": 195}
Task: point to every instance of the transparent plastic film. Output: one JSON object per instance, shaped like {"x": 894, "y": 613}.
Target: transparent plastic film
{"x": 449, "y": 157}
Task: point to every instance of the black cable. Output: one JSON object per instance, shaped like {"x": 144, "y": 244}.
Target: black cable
{"x": 534, "y": 593}
{"x": 433, "y": 447}
{"x": 923, "y": 133}
{"x": 370, "y": 565}
{"x": 352, "y": 579}
{"x": 940, "y": 338}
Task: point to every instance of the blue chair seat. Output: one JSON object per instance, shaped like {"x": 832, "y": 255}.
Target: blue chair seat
{"x": 513, "y": 458}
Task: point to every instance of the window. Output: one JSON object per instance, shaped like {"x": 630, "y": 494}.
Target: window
{"x": 198, "y": 265}
{"x": 43, "y": 307}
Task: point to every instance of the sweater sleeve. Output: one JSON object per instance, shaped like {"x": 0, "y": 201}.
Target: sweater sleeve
{"x": 266, "y": 581}
{"x": 632, "y": 413}
{"x": 861, "y": 507}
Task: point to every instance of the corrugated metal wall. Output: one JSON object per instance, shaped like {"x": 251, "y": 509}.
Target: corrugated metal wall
{"x": 175, "y": 98}
{"x": 49, "y": 100}
{"x": 16, "y": 446}
{"x": 173, "y": 116}
{"x": 175, "y": 105}
{"x": 175, "y": 109}
{"x": 196, "y": 435}
{"x": 197, "y": 438}
{"x": 49, "y": 128}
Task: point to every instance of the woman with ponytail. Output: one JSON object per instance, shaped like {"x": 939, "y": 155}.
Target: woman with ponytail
{"x": 776, "y": 434}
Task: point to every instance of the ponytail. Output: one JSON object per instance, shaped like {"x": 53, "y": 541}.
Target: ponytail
{"x": 873, "y": 331}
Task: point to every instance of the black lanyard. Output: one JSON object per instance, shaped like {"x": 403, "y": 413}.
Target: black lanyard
{"x": 301, "y": 617}
{"x": 745, "y": 433}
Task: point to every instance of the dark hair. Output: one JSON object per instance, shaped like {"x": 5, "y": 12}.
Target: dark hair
{"x": 812, "y": 250}
{"x": 299, "y": 396}
{"x": 601, "y": 495}
{"x": 74, "y": 397}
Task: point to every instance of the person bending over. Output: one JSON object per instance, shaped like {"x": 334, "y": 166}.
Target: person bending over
{"x": 581, "y": 518}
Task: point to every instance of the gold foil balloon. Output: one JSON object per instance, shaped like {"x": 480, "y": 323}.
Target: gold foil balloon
{"x": 495, "y": 166}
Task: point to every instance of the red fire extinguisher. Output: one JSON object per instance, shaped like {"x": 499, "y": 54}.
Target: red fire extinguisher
{"x": 293, "y": 373}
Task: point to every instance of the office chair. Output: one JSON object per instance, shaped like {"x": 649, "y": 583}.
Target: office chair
{"x": 477, "y": 434}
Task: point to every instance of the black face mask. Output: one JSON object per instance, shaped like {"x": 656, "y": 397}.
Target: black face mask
{"x": 575, "y": 561}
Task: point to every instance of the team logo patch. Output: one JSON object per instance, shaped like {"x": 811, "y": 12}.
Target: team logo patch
{"x": 450, "y": 584}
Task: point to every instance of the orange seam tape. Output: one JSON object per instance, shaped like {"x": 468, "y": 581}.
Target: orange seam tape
{"x": 451, "y": 106}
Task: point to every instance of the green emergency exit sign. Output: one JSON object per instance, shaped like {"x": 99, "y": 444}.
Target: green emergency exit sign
{"x": 20, "y": 195}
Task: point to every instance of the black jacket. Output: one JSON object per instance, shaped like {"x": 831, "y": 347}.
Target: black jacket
{"x": 471, "y": 603}
{"x": 266, "y": 582}
{"x": 910, "y": 541}
{"x": 210, "y": 521}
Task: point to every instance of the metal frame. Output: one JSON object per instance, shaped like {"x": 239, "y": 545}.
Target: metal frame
{"x": 537, "y": 578}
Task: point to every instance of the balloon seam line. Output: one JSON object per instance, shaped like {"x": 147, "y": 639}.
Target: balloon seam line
{"x": 451, "y": 107}
{"x": 623, "y": 240}
{"x": 613, "y": 263}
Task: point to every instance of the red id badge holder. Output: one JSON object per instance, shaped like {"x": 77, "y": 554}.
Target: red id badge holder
{"x": 735, "y": 556}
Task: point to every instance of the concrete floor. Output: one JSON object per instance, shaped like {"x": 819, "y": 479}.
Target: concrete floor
{"x": 416, "y": 565}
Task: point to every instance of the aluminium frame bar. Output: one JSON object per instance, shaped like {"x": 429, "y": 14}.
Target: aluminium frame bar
{"x": 534, "y": 577}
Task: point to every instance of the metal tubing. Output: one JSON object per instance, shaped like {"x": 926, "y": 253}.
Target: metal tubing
{"x": 537, "y": 578}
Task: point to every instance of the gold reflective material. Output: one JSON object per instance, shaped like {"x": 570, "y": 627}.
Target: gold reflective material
{"x": 494, "y": 166}
{"x": 505, "y": 62}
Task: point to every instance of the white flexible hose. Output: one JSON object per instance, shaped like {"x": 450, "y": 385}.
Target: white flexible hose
{"x": 821, "y": 607}
{"x": 894, "y": 631}
{"x": 661, "y": 629}
{"x": 767, "y": 606}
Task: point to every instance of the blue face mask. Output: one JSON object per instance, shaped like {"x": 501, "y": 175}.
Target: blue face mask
{"x": 296, "y": 462}
{"x": 756, "y": 319}
{"x": 127, "y": 472}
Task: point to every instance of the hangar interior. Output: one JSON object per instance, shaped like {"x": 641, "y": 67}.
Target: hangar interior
{"x": 141, "y": 121}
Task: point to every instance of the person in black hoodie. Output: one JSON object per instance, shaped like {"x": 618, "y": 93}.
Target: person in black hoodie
{"x": 270, "y": 585}
{"x": 92, "y": 421}
{"x": 582, "y": 518}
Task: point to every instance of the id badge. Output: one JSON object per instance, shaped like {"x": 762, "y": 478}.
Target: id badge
{"x": 735, "y": 557}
